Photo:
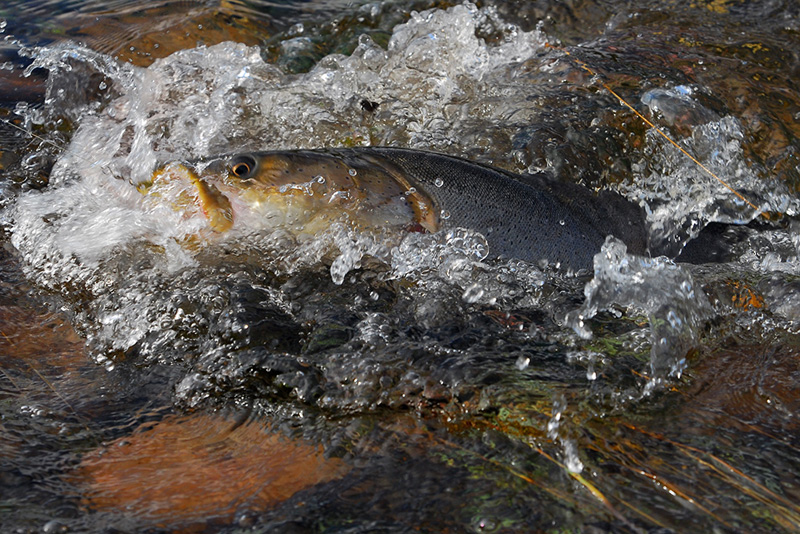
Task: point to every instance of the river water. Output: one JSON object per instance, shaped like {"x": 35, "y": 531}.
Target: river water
{"x": 155, "y": 381}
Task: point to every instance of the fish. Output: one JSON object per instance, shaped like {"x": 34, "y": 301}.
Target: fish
{"x": 530, "y": 217}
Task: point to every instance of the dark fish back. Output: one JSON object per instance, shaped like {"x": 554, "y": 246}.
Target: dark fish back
{"x": 606, "y": 211}
{"x": 518, "y": 219}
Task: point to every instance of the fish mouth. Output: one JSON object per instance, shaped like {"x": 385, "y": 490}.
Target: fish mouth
{"x": 181, "y": 187}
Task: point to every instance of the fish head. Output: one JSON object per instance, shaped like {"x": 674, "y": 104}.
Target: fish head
{"x": 303, "y": 192}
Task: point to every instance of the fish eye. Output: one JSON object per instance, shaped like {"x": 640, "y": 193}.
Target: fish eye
{"x": 243, "y": 167}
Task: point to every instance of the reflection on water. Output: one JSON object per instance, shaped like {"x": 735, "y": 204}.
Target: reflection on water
{"x": 155, "y": 376}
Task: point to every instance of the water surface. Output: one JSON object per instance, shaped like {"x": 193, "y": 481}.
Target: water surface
{"x": 348, "y": 384}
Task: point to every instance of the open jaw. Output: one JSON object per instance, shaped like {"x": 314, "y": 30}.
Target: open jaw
{"x": 184, "y": 190}
{"x": 200, "y": 192}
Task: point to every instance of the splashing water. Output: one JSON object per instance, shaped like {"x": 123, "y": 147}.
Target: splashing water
{"x": 554, "y": 431}
{"x": 204, "y": 101}
{"x": 419, "y": 335}
{"x": 662, "y": 290}
{"x": 677, "y": 190}
{"x": 437, "y": 85}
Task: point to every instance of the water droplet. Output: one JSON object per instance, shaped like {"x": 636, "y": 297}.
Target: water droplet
{"x": 244, "y": 73}
{"x": 591, "y": 374}
{"x": 319, "y": 179}
{"x": 674, "y": 320}
{"x": 687, "y": 288}
{"x": 571, "y": 459}
{"x": 438, "y": 182}
{"x": 32, "y": 160}
{"x": 444, "y": 214}
{"x": 473, "y": 293}
{"x": 487, "y": 524}
{"x": 562, "y": 222}
{"x": 352, "y": 172}
{"x": 53, "y": 526}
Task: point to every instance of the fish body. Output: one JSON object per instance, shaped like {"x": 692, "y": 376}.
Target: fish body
{"x": 528, "y": 217}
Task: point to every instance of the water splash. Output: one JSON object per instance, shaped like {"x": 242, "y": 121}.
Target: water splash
{"x": 205, "y": 100}
{"x": 438, "y": 85}
{"x": 677, "y": 106}
{"x": 555, "y": 432}
{"x": 679, "y": 198}
{"x": 656, "y": 287}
